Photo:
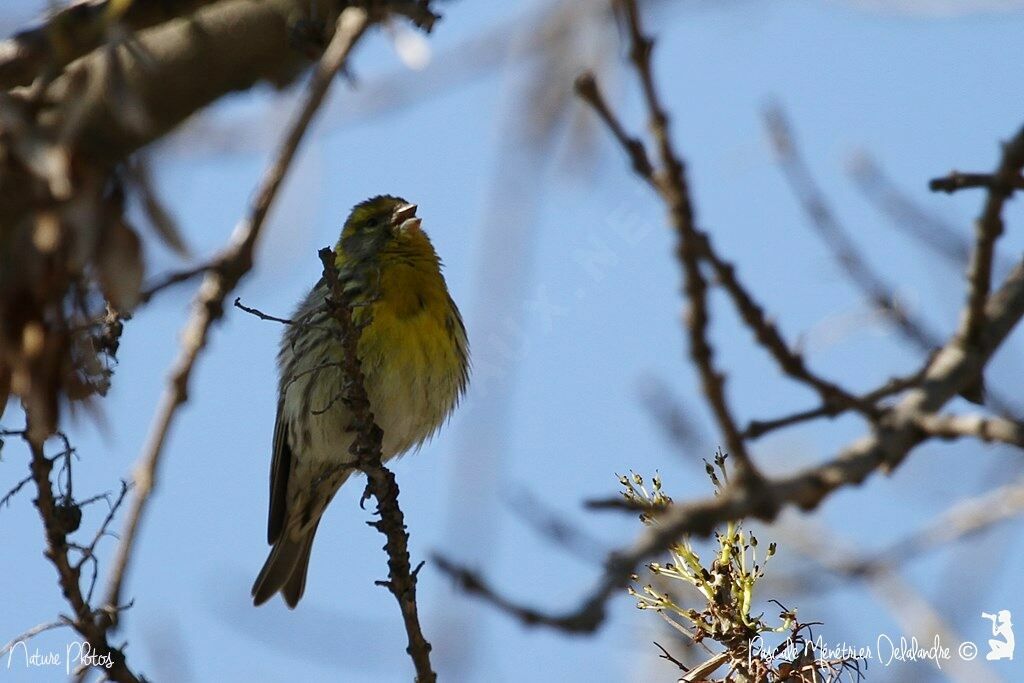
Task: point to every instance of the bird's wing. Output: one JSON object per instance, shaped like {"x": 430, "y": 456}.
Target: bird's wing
{"x": 280, "y": 468}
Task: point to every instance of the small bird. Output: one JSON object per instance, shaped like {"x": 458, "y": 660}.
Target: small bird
{"x": 415, "y": 359}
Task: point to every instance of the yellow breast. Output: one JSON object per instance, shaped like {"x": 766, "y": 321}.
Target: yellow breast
{"x": 414, "y": 353}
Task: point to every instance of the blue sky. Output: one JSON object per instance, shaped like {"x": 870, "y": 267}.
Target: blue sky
{"x": 588, "y": 311}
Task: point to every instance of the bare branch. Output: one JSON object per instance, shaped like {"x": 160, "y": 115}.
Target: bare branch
{"x": 234, "y": 44}
{"x": 670, "y": 183}
{"x": 587, "y": 89}
{"x": 836, "y": 236}
{"x": 987, "y": 230}
{"x": 380, "y": 481}
{"x": 54, "y": 517}
{"x": 834, "y": 398}
{"x": 14, "y": 491}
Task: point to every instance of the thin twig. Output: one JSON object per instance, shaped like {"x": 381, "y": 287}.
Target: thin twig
{"x": 380, "y": 481}
{"x": 14, "y": 491}
{"x": 758, "y": 428}
{"x": 587, "y": 89}
{"x": 218, "y": 283}
{"x": 667, "y": 656}
{"x": 906, "y": 215}
{"x": 102, "y": 530}
{"x": 260, "y": 314}
{"x": 956, "y": 180}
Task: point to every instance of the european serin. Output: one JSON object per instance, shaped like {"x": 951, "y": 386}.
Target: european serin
{"x": 415, "y": 359}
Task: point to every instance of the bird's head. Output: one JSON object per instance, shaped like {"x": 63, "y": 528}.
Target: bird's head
{"x": 381, "y": 228}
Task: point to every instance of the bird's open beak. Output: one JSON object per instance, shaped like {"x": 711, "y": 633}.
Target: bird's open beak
{"x": 406, "y": 218}
{"x": 405, "y": 212}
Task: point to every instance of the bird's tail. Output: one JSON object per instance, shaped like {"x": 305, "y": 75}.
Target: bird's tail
{"x": 285, "y": 569}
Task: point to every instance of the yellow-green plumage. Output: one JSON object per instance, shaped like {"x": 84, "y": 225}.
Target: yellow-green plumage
{"x": 414, "y": 357}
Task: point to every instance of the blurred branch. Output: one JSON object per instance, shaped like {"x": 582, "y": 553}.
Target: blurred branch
{"x": 669, "y": 412}
{"x": 980, "y": 427}
{"x": 901, "y": 598}
{"x": 380, "y": 481}
{"x": 78, "y": 29}
{"x": 547, "y": 522}
{"x": 32, "y": 633}
{"x": 932, "y": 231}
{"x": 233, "y": 44}
{"x": 176, "y": 278}
{"x": 880, "y": 568}
{"x": 855, "y": 266}
{"x": 836, "y": 236}
{"x": 236, "y": 261}
{"x": 153, "y": 206}
{"x": 907, "y": 216}
{"x": 961, "y": 520}
{"x": 545, "y": 39}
